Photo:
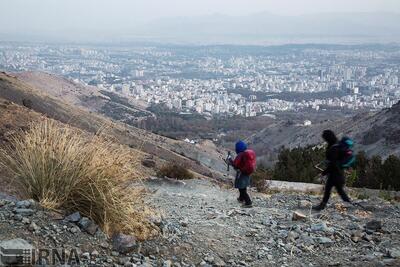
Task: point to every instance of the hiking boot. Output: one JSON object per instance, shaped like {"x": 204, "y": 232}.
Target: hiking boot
{"x": 240, "y": 200}
{"x": 247, "y": 206}
{"x": 319, "y": 207}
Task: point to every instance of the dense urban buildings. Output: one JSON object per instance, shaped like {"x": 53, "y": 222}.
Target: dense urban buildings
{"x": 229, "y": 80}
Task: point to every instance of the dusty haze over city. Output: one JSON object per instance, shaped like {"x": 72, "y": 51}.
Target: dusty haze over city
{"x": 207, "y": 21}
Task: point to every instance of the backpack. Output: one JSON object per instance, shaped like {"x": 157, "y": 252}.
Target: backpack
{"x": 249, "y": 162}
{"x": 346, "y": 153}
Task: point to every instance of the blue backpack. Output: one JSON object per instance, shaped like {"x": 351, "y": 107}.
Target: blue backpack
{"x": 347, "y": 157}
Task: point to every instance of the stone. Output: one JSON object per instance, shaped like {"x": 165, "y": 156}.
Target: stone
{"x": 95, "y": 253}
{"x": 324, "y": 240}
{"x": 209, "y": 259}
{"x": 357, "y": 234}
{"x": 374, "y": 225}
{"x": 23, "y": 204}
{"x": 25, "y": 220}
{"x": 74, "y": 229}
{"x": 74, "y": 217}
{"x": 219, "y": 262}
{"x": 85, "y": 256}
{"x": 17, "y": 245}
{"x": 167, "y": 263}
{"x": 88, "y": 225}
{"x": 18, "y": 217}
{"x": 298, "y": 216}
{"x": 104, "y": 245}
{"x": 124, "y": 260}
{"x": 304, "y": 204}
{"x": 354, "y": 226}
{"x": 34, "y": 227}
{"x": 24, "y": 212}
{"x": 394, "y": 253}
{"x": 292, "y": 236}
{"x": 320, "y": 227}
{"x": 184, "y": 222}
{"x": 124, "y": 243}
{"x": 3, "y": 202}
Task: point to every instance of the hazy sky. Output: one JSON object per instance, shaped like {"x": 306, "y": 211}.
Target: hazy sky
{"x": 18, "y": 16}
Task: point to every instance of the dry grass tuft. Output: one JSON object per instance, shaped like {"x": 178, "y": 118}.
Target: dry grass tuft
{"x": 63, "y": 168}
{"x": 175, "y": 171}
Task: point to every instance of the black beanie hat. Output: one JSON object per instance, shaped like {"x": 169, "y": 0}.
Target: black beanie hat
{"x": 330, "y": 137}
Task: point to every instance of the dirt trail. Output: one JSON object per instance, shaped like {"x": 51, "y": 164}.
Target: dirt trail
{"x": 205, "y": 225}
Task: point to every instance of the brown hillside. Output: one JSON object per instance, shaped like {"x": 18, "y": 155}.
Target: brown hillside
{"x": 12, "y": 89}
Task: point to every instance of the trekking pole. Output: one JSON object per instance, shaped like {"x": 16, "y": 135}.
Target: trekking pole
{"x": 228, "y": 160}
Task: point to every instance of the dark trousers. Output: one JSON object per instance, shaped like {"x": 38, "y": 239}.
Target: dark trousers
{"x": 244, "y": 196}
{"x": 338, "y": 183}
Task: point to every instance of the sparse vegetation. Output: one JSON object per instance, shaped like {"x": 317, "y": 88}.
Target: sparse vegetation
{"x": 385, "y": 195}
{"x": 296, "y": 165}
{"x": 362, "y": 195}
{"x": 175, "y": 171}
{"x": 259, "y": 179}
{"x": 62, "y": 168}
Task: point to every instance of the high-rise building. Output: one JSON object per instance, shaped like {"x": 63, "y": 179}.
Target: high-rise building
{"x": 348, "y": 74}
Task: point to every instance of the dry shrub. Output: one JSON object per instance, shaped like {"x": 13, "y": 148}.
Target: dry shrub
{"x": 63, "y": 168}
{"x": 259, "y": 179}
{"x": 175, "y": 171}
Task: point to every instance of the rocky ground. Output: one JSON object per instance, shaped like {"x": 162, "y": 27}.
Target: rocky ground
{"x": 203, "y": 225}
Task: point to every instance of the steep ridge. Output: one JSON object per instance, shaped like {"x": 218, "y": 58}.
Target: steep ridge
{"x": 12, "y": 89}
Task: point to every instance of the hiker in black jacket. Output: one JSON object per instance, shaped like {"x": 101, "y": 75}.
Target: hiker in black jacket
{"x": 333, "y": 171}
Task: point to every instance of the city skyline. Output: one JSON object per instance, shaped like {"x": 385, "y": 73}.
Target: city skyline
{"x": 247, "y": 81}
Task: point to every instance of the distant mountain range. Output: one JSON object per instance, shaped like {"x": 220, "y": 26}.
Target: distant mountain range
{"x": 269, "y": 28}
{"x": 257, "y": 29}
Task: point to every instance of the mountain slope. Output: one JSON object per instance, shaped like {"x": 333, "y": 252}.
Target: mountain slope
{"x": 200, "y": 161}
{"x": 89, "y": 98}
{"x": 375, "y": 133}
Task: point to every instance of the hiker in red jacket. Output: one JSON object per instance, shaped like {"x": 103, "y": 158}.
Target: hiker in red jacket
{"x": 244, "y": 164}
